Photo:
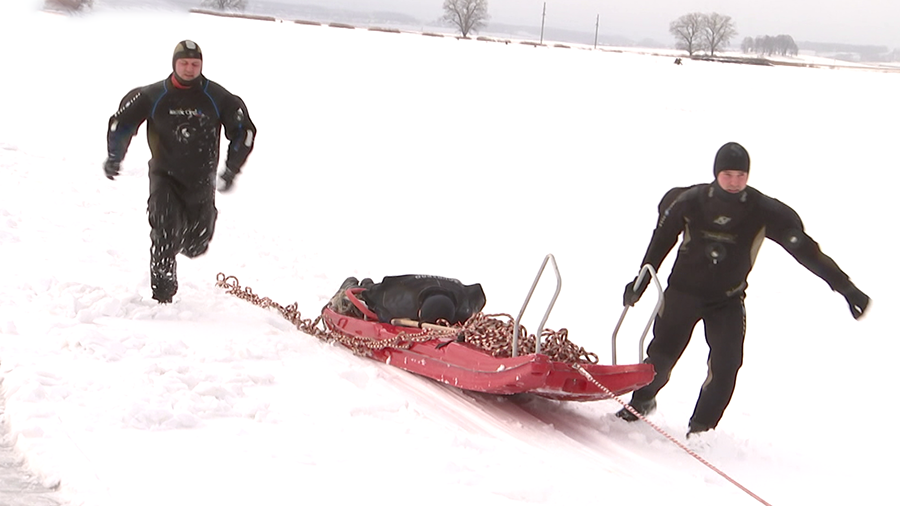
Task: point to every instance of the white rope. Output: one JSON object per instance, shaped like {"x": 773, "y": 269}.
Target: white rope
{"x": 667, "y": 435}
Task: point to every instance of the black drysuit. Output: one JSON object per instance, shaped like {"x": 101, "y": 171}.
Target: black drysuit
{"x": 183, "y": 130}
{"x": 721, "y": 235}
{"x": 404, "y": 297}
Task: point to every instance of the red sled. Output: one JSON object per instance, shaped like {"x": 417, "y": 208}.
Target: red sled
{"x": 466, "y": 366}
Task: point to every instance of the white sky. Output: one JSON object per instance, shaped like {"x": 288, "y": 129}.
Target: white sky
{"x": 871, "y": 22}
{"x": 377, "y": 155}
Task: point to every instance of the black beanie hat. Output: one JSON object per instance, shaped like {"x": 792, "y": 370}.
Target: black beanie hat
{"x": 731, "y": 156}
{"x": 186, "y": 49}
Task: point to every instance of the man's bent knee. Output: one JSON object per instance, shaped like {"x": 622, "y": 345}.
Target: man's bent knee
{"x": 195, "y": 249}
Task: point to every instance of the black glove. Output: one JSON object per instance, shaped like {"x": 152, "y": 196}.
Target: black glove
{"x": 858, "y": 301}
{"x": 111, "y": 168}
{"x": 631, "y": 296}
{"x": 226, "y": 180}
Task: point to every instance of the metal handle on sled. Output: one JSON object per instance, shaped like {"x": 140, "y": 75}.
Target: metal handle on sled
{"x": 644, "y": 270}
{"x": 537, "y": 345}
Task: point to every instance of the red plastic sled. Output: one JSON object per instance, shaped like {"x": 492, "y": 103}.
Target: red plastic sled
{"x": 468, "y": 367}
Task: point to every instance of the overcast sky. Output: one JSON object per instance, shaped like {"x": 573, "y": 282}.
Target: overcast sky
{"x": 870, "y": 22}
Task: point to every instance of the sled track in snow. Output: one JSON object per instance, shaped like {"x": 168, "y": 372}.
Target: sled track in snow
{"x": 17, "y": 486}
{"x": 544, "y": 425}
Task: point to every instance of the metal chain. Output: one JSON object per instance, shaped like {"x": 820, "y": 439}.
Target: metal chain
{"x": 290, "y": 313}
{"x": 496, "y": 336}
{"x": 358, "y": 344}
{"x": 483, "y": 331}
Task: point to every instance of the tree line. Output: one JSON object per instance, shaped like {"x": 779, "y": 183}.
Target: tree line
{"x": 80, "y": 5}
{"x": 225, "y": 5}
{"x": 694, "y": 32}
{"x": 782, "y": 45}
{"x": 69, "y": 5}
{"x": 467, "y": 16}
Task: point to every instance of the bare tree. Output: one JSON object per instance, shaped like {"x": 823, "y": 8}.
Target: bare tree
{"x": 225, "y": 5}
{"x": 717, "y": 32}
{"x": 763, "y": 44}
{"x": 747, "y": 45}
{"x": 687, "y": 30}
{"x": 466, "y": 15}
{"x": 785, "y": 45}
{"x": 781, "y": 45}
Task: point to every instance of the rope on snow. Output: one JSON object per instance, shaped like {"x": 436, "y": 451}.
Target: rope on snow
{"x": 668, "y": 436}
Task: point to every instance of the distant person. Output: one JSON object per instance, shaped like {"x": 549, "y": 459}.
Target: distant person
{"x": 677, "y": 61}
{"x": 185, "y": 114}
{"x": 722, "y": 225}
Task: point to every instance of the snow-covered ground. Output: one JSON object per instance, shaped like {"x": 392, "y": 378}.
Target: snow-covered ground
{"x": 381, "y": 154}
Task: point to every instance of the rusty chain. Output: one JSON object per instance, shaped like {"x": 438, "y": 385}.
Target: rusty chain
{"x": 483, "y": 331}
{"x": 316, "y": 328}
{"x": 495, "y": 336}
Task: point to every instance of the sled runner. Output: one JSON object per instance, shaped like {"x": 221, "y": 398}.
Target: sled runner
{"x": 451, "y": 354}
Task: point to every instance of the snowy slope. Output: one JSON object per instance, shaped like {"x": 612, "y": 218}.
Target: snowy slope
{"x": 382, "y": 154}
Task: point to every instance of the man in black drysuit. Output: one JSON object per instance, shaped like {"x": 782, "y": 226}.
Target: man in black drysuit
{"x": 420, "y": 297}
{"x": 185, "y": 114}
{"x": 722, "y": 224}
